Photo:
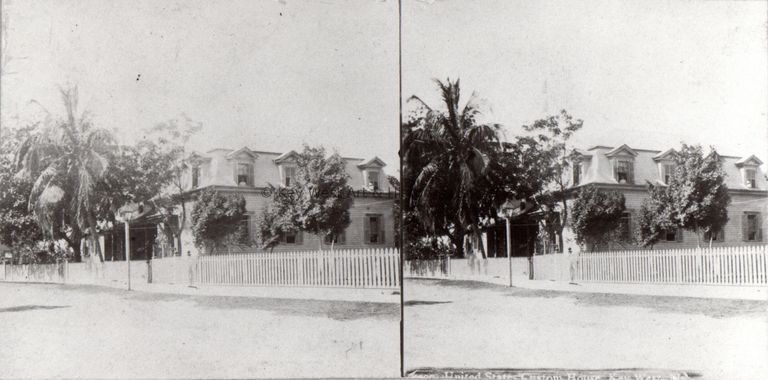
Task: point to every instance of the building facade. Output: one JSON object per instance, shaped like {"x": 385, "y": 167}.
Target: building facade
{"x": 630, "y": 170}
{"x": 250, "y": 173}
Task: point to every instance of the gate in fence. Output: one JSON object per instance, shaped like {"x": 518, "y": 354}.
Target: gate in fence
{"x": 747, "y": 265}
{"x": 365, "y": 268}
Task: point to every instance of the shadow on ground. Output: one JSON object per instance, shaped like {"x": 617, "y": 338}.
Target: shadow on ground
{"x": 417, "y": 303}
{"x": 710, "y": 307}
{"x": 29, "y": 307}
{"x": 337, "y": 310}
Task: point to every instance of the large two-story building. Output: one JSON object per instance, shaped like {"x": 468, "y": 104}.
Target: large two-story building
{"x": 250, "y": 173}
{"x": 630, "y": 171}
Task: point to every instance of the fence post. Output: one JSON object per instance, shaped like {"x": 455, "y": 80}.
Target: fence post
{"x": 678, "y": 268}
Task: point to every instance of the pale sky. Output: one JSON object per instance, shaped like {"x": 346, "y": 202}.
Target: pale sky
{"x": 269, "y": 74}
{"x": 275, "y": 74}
{"x": 646, "y": 73}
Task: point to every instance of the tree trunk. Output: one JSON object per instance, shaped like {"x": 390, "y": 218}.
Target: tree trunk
{"x": 75, "y": 245}
{"x": 457, "y": 239}
{"x": 478, "y": 236}
{"x": 93, "y": 237}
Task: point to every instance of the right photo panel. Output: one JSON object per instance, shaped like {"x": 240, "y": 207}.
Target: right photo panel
{"x": 584, "y": 189}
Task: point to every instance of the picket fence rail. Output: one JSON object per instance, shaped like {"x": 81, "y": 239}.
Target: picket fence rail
{"x": 365, "y": 268}
{"x": 354, "y": 268}
{"x": 745, "y": 265}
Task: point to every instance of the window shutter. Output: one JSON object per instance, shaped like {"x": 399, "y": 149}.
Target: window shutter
{"x": 616, "y": 170}
{"x": 299, "y": 237}
{"x": 251, "y": 175}
{"x": 234, "y": 172}
{"x": 744, "y": 227}
{"x": 721, "y": 234}
{"x": 366, "y": 229}
{"x": 631, "y": 174}
{"x": 382, "y": 239}
{"x": 679, "y": 235}
{"x": 631, "y": 225}
{"x": 342, "y": 239}
{"x": 759, "y": 236}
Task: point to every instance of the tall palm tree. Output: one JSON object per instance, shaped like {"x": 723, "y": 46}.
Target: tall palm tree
{"x": 67, "y": 159}
{"x": 448, "y": 163}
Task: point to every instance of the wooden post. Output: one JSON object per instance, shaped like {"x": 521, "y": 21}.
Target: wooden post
{"x": 509, "y": 251}
{"x": 128, "y": 250}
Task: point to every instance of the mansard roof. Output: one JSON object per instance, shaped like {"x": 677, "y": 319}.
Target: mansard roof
{"x": 196, "y": 158}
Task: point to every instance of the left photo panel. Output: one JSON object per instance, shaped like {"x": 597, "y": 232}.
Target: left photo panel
{"x": 199, "y": 189}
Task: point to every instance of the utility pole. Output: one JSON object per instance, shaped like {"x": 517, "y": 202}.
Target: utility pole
{"x": 128, "y": 246}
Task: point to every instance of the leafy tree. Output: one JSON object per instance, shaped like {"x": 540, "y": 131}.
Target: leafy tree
{"x": 450, "y": 177}
{"x": 595, "y": 216}
{"x": 216, "y": 218}
{"x": 280, "y": 216}
{"x": 18, "y": 228}
{"x": 457, "y": 173}
{"x": 655, "y": 216}
{"x": 67, "y": 158}
{"x": 317, "y": 200}
{"x": 539, "y": 163}
{"x": 695, "y": 199}
{"x": 164, "y": 150}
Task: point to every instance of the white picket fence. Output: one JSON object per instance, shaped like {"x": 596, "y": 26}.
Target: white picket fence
{"x": 369, "y": 268}
{"x": 48, "y": 273}
{"x": 363, "y": 268}
{"x": 746, "y": 266}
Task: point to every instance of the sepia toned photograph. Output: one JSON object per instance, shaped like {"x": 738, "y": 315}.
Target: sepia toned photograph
{"x": 478, "y": 189}
{"x": 584, "y": 189}
{"x": 199, "y": 189}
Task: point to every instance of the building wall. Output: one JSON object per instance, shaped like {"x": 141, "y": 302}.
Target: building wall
{"x": 741, "y": 202}
{"x": 217, "y": 169}
{"x": 256, "y": 202}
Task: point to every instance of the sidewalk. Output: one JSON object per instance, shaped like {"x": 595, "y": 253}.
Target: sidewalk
{"x": 310, "y": 293}
{"x": 696, "y": 291}
{"x": 757, "y": 293}
{"x": 326, "y": 294}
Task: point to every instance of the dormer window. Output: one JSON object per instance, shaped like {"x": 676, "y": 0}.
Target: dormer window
{"x": 289, "y": 175}
{"x": 371, "y": 171}
{"x": 666, "y": 172}
{"x": 372, "y": 179}
{"x": 623, "y": 161}
{"x": 195, "y": 177}
{"x": 749, "y": 178}
{"x": 749, "y": 167}
{"x": 624, "y": 171}
{"x": 576, "y": 173}
{"x": 244, "y": 174}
